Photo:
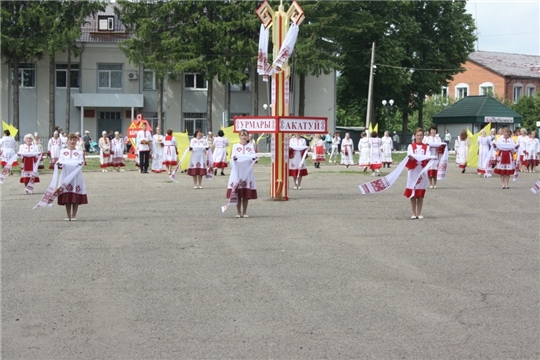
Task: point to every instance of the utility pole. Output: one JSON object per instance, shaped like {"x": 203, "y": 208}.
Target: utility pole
{"x": 372, "y": 68}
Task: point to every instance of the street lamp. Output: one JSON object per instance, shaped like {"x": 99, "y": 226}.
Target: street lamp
{"x": 388, "y": 105}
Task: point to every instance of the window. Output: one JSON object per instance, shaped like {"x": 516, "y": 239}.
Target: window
{"x": 518, "y": 92}
{"x": 149, "y": 80}
{"x": 241, "y": 87}
{"x": 61, "y": 75}
{"x": 109, "y": 76}
{"x": 27, "y": 75}
{"x": 486, "y": 89}
{"x": 193, "y": 121}
{"x": 531, "y": 90}
{"x": 105, "y": 23}
{"x": 444, "y": 91}
{"x": 462, "y": 90}
{"x": 194, "y": 81}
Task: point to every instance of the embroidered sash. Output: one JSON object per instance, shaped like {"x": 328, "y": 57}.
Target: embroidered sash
{"x": 51, "y": 194}
{"x": 242, "y": 171}
{"x": 7, "y": 168}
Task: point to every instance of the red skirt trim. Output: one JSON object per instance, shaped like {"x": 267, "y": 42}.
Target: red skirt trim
{"x": 432, "y": 173}
{"x": 294, "y": 173}
{"x": 533, "y": 162}
{"x": 15, "y": 163}
{"x": 196, "y": 171}
{"x": 504, "y": 172}
{"x": 481, "y": 171}
{"x": 72, "y": 198}
{"x": 170, "y": 163}
{"x": 462, "y": 166}
{"x": 375, "y": 166}
{"x": 250, "y": 194}
{"x": 418, "y": 193}
{"x": 103, "y": 166}
{"x": 25, "y": 180}
{"x": 220, "y": 165}
{"x": 157, "y": 171}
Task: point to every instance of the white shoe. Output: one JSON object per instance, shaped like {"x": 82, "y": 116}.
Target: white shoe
{"x": 296, "y": 187}
{"x": 431, "y": 187}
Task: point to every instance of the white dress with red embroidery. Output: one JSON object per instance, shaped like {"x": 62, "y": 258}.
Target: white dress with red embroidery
{"x": 247, "y": 188}
{"x": 318, "y": 153}
{"x": 462, "y": 152}
{"x": 375, "y": 153}
{"x": 347, "y": 152}
{"x": 75, "y": 191}
{"x": 415, "y": 167}
{"x": 387, "y": 145}
{"x": 29, "y": 155}
{"x": 433, "y": 142}
{"x": 484, "y": 155}
{"x": 104, "y": 152}
{"x": 532, "y": 147}
{"x": 158, "y": 145}
{"x": 53, "y": 148}
{"x": 117, "y": 152}
{"x": 505, "y": 161}
{"x": 197, "y": 162}
{"x": 363, "y": 147}
{"x": 297, "y": 148}
{"x": 8, "y": 145}
{"x": 220, "y": 152}
{"x": 170, "y": 152}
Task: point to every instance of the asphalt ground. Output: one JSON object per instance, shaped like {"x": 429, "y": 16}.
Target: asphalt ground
{"x": 152, "y": 269}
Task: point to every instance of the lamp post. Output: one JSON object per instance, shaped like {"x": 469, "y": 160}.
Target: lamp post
{"x": 388, "y": 105}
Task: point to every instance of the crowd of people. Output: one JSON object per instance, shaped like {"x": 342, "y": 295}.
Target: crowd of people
{"x": 502, "y": 153}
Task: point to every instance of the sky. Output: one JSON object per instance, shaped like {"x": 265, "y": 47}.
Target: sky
{"x": 509, "y": 26}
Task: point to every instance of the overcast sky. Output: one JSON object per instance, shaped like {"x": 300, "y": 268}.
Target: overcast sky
{"x": 507, "y": 26}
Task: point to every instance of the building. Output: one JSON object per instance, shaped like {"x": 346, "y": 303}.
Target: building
{"x": 107, "y": 92}
{"x": 501, "y": 75}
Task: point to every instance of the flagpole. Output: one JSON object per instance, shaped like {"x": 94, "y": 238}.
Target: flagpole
{"x": 372, "y": 68}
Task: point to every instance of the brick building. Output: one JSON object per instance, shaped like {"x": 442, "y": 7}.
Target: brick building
{"x": 499, "y": 74}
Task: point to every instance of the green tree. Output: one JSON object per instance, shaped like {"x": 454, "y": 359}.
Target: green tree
{"x": 529, "y": 108}
{"x": 22, "y": 39}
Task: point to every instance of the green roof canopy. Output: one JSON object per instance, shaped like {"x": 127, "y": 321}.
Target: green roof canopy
{"x": 477, "y": 109}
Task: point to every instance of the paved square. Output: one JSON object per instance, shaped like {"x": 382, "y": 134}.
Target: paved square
{"x": 153, "y": 270}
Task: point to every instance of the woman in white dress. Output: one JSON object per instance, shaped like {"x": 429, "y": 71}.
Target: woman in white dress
{"x": 197, "y": 162}
{"x": 242, "y": 179}
{"x": 506, "y": 166}
{"x": 220, "y": 152}
{"x": 484, "y": 154}
{"x": 53, "y": 149}
{"x": 387, "y": 146}
{"x": 75, "y": 192}
{"x": 334, "y": 148}
{"x": 347, "y": 151}
{"x": 39, "y": 144}
{"x": 8, "y": 146}
{"x": 297, "y": 160}
{"x": 170, "y": 151}
{"x": 462, "y": 150}
{"x": 435, "y": 144}
{"x": 375, "y": 154}
{"x": 531, "y": 152}
{"x": 317, "y": 151}
{"x": 117, "y": 152}
{"x": 522, "y": 140}
{"x": 363, "y": 148}
{"x": 30, "y": 155}
{"x": 157, "y": 151}
{"x": 416, "y": 186}
{"x": 104, "y": 152}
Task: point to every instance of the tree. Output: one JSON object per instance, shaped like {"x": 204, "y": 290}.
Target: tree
{"x": 529, "y": 108}
{"x": 22, "y": 39}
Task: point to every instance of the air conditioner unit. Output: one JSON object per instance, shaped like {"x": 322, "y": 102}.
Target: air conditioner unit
{"x": 133, "y": 75}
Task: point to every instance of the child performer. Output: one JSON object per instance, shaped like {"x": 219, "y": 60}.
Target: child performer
{"x": 170, "y": 151}
{"x": 30, "y": 156}
{"x": 505, "y": 161}
{"x": 416, "y": 188}
{"x": 197, "y": 162}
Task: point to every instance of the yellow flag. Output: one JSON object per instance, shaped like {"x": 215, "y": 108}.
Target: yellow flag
{"x": 370, "y": 129}
{"x": 12, "y": 130}
{"x": 261, "y": 137}
{"x": 376, "y": 128}
{"x": 232, "y": 137}
{"x": 182, "y": 140}
{"x": 472, "y": 157}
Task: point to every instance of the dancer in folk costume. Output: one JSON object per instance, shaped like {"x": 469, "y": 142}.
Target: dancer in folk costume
{"x": 157, "y": 151}
{"x": 53, "y": 149}
{"x": 30, "y": 155}
{"x": 117, "y": 152}
{"x": 387, "y": 147}
{"x": 334, "y": 148}
{"x": 197, "y": 163}
{"x": 318, "y": 151}
{"x": 505, "y": 162}
{"x": 462, "y": 150}
{"x": 531, "y": 152}
{"x": 242, "y": 184}
{"x": 8, "y": 147}
{"x": 74, "y": 194}
{"x": 375, "y": 154}
{"x": 416, "y": 186}
{"x": 436, "y": 148}
{"x": 220, "y": 152}
{"x": 104, "y": 152}
{"x": 170, "y": 151}
{"x": 79, "y": 145}
{"x": 522, "y": 140}
{"x": 363, "y": 148}
{"x": 347, "y": 151}
{"x": 297, "y": 160}
{"x": 39, "y": 144}
{"x": 484, "y": 154}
